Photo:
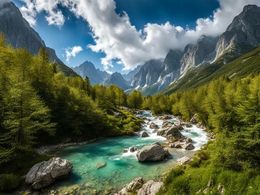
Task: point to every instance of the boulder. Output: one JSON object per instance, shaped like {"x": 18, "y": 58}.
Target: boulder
{"x": 154, "y": 126}
{"x": 135, "y": 185}
{"x": 161, "y": 132}
{"x": 174, "y": 131}
{"x": 132, "y": 187}
{"x": 153, "y": 152}
{"x": 176, "y": 145}
{"x": 144, "y": 134}
{"x": 188, "y": 140}
{"x": 132, "y": 149}
{"x": 47, "y": 172}
{"x": 150, "y": 188}
{"x": 188, "y": 146}
{"x": 166, "y": 124}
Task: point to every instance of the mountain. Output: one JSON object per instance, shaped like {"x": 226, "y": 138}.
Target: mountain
{"x": 246, "y": 64}
{"x": 19, "y": 34}
{"x": 130, "y": 75}
{"x": 200, "y": 53}
{"x": 148, "y": 74}
{"x": 242, "y": 34}
{"x": 207, "y": 54}
{"x": 88, "y": 69}
{"x": 118, "y": 80}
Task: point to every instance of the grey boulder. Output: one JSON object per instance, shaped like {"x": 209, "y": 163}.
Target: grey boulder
{"x": 153, "y": 152}
{"x": 144, "y": 134}
{"x": 47, "y": 172}
{"x": 150, "y": 188}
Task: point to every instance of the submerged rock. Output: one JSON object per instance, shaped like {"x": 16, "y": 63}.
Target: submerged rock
{"x": 101, "y": 165}
{"x": 132, "y": 149}
{"x": 144, "y": 134}
{"x": 150, "y": 188}
{"x": 47, "y": 172}
{"x": 154, "y": 152}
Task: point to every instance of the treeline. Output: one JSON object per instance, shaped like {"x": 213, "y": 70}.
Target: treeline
{"x": 231, "y": 109}
{"x": 39, "y": 105}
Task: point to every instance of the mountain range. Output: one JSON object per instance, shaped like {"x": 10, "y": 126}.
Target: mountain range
{"x": 156, "y": 75}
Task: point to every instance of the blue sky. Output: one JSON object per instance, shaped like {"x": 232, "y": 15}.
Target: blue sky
{"x": 76, "y": 30}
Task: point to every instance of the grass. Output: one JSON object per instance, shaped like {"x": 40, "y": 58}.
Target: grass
{"x": 204, "y": 176}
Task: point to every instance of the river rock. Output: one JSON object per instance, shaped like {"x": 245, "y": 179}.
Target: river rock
{"x": 154, "y": 126}
{"x": 175, "y": 145}
{"x": 184, "y": 160}
{"x": 153, "y": 152}
{"x": 174, "y": 131}
{"x": 132, "y": 149}
{"x": 166, "y": 124}
{"x": 101, "y": 165}
{"x": 144, "y": 134}
{"x": 150, "y": 188}
{"x": 165, "y": 117}
{"x": 161, "y": 132}
{"x": 188, "y": 146}
{"x": 47, "y": 172}
{"x": 132, "y": 187}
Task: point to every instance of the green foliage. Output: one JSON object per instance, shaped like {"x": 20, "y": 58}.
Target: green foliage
{"x": 134, "y": 99}
{"x": 231, "y": 109}
{"x": 9, "y": 182}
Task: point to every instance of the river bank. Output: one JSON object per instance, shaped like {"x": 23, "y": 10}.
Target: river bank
{"x": 105, "y": 166}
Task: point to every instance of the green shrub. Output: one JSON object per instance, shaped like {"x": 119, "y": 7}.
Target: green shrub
{"x": 9, "y": 182}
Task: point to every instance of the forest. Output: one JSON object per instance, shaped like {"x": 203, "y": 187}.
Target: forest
{"x": 40, "y": 106}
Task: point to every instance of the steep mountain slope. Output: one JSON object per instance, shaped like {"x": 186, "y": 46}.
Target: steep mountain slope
{"x": 242, "y": 34}
{"x": 200, "y": 53}
{"x": 247, "y": 64}
{"x": 88, "y": 69}
{"x": 19, "y": 34}
{"x": 130, "y": 75}
{"x": 148, "y": 74}
{"x": 118, "y": 80}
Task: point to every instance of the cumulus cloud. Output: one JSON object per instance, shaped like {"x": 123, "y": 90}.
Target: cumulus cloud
{"x": 32, "y": 7}
{"x": 72, "y": 52}
{"x": 121, "y": 41}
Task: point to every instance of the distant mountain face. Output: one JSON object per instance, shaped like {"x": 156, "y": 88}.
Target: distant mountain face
{"x": 201, "y": 52}
{"x": 95, "y": 75}
{"x": 19, "y": 34}
{"x": 241, "y": 35}
{"x": 118, "y": 80}
{"x": 130, "y": 75}
{"x": 148, "y": 74}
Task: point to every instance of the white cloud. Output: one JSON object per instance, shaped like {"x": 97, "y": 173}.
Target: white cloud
{"x": 72, "y": 52}
{"x": 32, "y": 7}
{"x": 120, "y": 40}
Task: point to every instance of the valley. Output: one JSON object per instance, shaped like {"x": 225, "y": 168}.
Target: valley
{"x": 178, "y": 114}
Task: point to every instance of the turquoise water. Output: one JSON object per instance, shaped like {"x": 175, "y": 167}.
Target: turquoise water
{"x": 119, "y": 167}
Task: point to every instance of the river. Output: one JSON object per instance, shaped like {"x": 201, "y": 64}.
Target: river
{"x": 103, "y": 166}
